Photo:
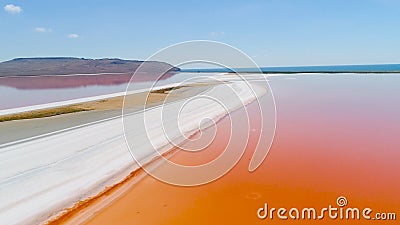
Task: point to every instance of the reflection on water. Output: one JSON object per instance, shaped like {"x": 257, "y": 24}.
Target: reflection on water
{"x": 27, "y": 91}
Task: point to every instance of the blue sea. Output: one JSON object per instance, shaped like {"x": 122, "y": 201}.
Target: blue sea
{"x": 381, "y": 68}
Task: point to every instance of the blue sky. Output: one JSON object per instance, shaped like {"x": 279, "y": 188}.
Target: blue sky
{"x": 273, "y": 32}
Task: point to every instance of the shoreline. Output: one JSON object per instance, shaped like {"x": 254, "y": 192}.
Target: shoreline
{"x": 113, "y": 103}
{"x": 74, "y": 214}
{"x": 5, "y": 112}
{"x": 87, "y": 209}
{"x": 110, "y": 159}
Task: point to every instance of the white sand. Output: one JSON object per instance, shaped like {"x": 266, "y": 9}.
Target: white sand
{"x": 45, "y": 175}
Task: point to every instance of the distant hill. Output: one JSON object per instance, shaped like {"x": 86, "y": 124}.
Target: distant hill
{"x": 66, "y": 66}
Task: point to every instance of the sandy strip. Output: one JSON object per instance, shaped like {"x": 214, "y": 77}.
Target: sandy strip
{"x": 21, "y": 126}
{"x": 79, "y": 101}
{"x": 101, "y": 103}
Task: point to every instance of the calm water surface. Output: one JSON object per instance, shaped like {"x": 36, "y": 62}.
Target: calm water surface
{"x": 336, "y": 136}
{"x": 23, "y": 91}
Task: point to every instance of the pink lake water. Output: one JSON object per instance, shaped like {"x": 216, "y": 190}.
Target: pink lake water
{"x": 27, "y": 91}
{"x": 337, "y": 136}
